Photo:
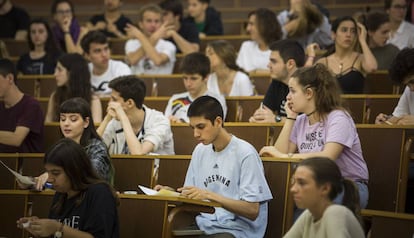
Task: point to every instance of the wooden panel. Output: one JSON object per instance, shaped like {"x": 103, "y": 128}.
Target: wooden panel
{"x": 379, "y": 83}
{"x": 12, "y": 208}
{"x": 172, "y": 171}
{"x": 131, "y": 171}
{"x": 387, "y": 224}
{"x": 385, "y": 104}
{"x": 235, "y": 40}
{"x": 7, "y": 180}
{"x": 277, "y": 176}
{"x": 382, "y": 150}
{"x": 140, "y": 218}
{"x": 261, "y": 83}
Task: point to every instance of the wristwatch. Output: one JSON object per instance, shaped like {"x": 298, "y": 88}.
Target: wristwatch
{"x": 278, "y": 118}
{"x": 59, "y": 233}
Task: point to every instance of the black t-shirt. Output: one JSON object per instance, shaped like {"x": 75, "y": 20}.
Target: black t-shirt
{"x": 43, "y": 65}
{"x": 97, "y": 213}
{"x": 16, "y": 19}
{"x": 188, "y": 31}
{"x": 120, "y": 24}
{"x": 275, "y": 97}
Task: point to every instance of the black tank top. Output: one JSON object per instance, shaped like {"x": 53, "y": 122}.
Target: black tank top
{"x": 352, "y": 81}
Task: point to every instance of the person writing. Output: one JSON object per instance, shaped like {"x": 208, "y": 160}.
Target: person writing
{"x": 242, "y": 192}
{"x": 76, "y": 209}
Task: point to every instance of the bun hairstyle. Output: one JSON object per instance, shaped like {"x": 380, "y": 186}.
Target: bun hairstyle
{"x": 326, "y": 89}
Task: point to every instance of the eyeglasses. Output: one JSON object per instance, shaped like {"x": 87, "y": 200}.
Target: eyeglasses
{"x": 401, "y": 7}
{"x": 64, "y": 12}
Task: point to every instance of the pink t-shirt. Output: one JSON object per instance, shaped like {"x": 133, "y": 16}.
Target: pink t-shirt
{"x": 340, "y": 128}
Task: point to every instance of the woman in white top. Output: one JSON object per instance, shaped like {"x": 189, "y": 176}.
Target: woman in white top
{"x": 226, "y": 78}
{"x": 263, "y": 29}
{"x": 315, "y": 184}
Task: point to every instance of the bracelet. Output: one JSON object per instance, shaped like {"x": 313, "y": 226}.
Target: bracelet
{"x": 291, "y": 118}
{"x": 312, "y": 57}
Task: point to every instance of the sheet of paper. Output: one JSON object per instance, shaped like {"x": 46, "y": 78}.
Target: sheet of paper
{"x": 162, "y": 192}
{"x": 22, "y": 179}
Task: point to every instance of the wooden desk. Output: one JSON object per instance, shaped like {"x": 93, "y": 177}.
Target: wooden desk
{"x": 390, "y": 224}
{"x": 139, "y": 215}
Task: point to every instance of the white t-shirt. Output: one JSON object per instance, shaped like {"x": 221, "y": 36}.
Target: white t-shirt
{"x": 337, "y": 221}
{"x": 251, "y": 57}
{"x": 404, "y": 36}
{"x": 147, "y": 66}
{"x": 179, "y": 103}
{"x": 405, "y": 105}
{"x": 242, "y": 86}
{"x": 100, "y": 82}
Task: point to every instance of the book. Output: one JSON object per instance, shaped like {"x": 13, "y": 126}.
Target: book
{"x": 162, "y": 192}
{"x": 25, "y": 180}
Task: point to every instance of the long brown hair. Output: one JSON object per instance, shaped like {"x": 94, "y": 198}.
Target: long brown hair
{"x": 326, "y": 89}
{"x": 79, "y": 81}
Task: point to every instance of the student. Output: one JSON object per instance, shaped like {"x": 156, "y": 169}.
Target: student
{"x": 102, "y": 68}
{"x": 146, "y": 51}
{"x": 67, "y": 30}
{"x": 72, "y": 80}
{"x": 242, "y": 190}
{"x": 112, "y": 22}
{"x": 379, "y": 27}
{"x": 227, "y": 78}
{"x": 286, "y": 56}
{"x": 181, "y": 32}
{"x": 349, "y": 66}
{"x": 43, "y": 54}
{"x": 14, "y": 21}
{"x": 195, "y": 68}
{"x": 263, "y": 29}
{"x": 21, "y": 120}
{"x": 206, "y": 18}
{"x": 76, "y": 123}
{"x": 315, "y": 184}
{"x": 402, "y": 32}
{"x": 130, "y": 127}
{"x": 324, "y": 127}
{"x": 401, "y": 72}
{"x": 305, "y": 23}
{"x": 80, "y": 195}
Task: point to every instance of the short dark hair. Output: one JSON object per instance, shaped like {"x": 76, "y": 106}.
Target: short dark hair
{"x": 130, "y": 87}
{"x": 207, "y": 107}
{"x": 289, "y": 49}
{"x": 174, "y": 6}
{"x": 195, "y": 63}
{"x": 7, "y": 67}
{"x": 374, "y": 20}
{"x": 204, "y": 1}
{"x": 57, "y": 2}
{"x": 402, "y": 66}
{"x": 93, "y": 37}
{"x": 267, "y": 25}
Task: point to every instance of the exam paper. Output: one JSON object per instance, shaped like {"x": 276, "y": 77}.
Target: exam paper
{"x": 22, "y": 179}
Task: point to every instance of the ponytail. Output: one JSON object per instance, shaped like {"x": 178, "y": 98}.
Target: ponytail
{"x": 351, "y": 199}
